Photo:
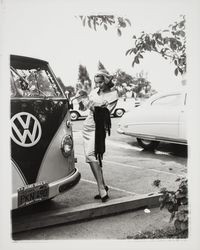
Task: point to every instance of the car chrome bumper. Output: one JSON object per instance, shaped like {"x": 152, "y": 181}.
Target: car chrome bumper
{"x": 55, "y": 188}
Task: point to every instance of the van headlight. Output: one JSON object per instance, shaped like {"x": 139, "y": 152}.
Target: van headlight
{"x": 66, "y": 145}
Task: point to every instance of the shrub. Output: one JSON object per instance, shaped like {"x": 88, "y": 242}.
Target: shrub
{"x": 177, "y": 204}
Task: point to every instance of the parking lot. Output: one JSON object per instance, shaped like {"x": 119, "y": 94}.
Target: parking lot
{"x": 128, "y": 170}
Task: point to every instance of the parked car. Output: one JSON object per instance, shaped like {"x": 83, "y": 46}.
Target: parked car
{"x": 161, "y": 118}
{"x": 121, "y": 107}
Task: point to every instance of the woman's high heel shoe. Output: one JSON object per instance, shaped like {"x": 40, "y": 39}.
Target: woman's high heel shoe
{"x": 104, "y": 199}
{"x": 98, "y": 197}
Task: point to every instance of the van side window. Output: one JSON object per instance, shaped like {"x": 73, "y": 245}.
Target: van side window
{"x": 33, "y": 83}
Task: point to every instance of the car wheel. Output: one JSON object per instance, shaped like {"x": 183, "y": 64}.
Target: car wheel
{"x": 74, "y": 115}
{"x": 147, "y": 144}
{"x": 119, "y": 112}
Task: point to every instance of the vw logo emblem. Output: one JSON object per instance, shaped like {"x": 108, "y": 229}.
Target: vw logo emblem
{"x": 25, "y": 129}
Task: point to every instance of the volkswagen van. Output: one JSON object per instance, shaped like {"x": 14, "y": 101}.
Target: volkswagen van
{"x": 42, "y": 150}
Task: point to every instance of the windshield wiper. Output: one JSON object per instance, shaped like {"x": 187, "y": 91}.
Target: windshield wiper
{"x": 24, "y": 87}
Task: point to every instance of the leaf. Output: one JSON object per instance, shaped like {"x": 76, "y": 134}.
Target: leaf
{"x": 166, "y": 40}
{"x": 184, "y": 226}
{"x": 94, "y": 23}
{"x": 180, "y": 70}
{"x": 159, "y": 42}
{"x": 141, "y": 56}
{"x": 134, "y": 37}
{"x": 177, "y": 224}
{"x": 135, "y": 51}
{"x": 137, "y": 60}
{"x": 119, "y": 32}
{"x": 105, "y": 26}
{"x": 133, "y": 63}
{"x": 155, "y": 183}
{"x": 84, "y": 20}
{"x": 183, "y": 208}
{"x": 172, "y": 216}
{"x": 180, "y": 216}
{"x": 128, "y": 21}
{"x": 153, "y": 43}
{"x": 129, "y": 51}
{"x": 89, "y": 22}
{"x": 176, "y": 71}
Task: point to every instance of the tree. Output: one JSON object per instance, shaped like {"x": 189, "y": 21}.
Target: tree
{"x": 94, "y": 21}
{"x": 122, "y": 77}
{"x": 69, "y": 89}
{"x": 84, "y": 82}
{"x": 143, "y": 85}
{"x": 137, "y": 84}
{"x": 101, "y": 66}
{"x": 176, "y": 203}
{"x": 169, "y": 43}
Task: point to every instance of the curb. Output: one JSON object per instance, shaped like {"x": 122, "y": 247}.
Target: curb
{"x": 84, "y": 212}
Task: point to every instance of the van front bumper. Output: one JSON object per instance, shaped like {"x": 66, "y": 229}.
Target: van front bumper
{"x": 55, "y": 188}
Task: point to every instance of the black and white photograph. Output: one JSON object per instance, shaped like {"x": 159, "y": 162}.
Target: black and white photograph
{"x": 99, "y": 100}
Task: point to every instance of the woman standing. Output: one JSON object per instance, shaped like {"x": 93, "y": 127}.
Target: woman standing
{"x": 102, "y": 96}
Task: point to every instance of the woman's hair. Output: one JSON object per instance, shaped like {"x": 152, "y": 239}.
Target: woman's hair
{"x": 107, "y": 79}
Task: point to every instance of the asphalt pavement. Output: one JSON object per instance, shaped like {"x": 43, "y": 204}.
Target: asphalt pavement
{"x": 129, "y": 171}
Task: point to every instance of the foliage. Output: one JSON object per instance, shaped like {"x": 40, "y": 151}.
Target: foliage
{"x": 139, "y": 85}
{"x": 94, "y": 21}
{"x": 142, "y": 84}
{"x": 170, "y": 43}
{"x": 69, "y": 89}
{"x": 177, "y": 204}
{"x": 84, "y": 82}
{"x": 156, "y": 183}
{"x": 101, "y": 66}
{"x": 167, "y": 233}
{"x": 122, "y": 77}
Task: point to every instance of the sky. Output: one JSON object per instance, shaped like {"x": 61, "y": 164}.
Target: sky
{"x": 51, "y": 31}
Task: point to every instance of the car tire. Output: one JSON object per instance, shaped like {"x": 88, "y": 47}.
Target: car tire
{"x": 147, "y": 144}
{"x": 119, "y": 112}
{"x": 74, "y": 115}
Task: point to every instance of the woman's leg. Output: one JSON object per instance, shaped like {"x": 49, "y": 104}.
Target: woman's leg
{"x": 94, "y": 164}
{"x": 98, "y": 174}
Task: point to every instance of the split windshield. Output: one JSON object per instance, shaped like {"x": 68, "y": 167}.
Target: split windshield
{"x": 33, "y": 82}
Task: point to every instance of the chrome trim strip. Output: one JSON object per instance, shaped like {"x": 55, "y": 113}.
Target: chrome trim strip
{"x": 154, "y": 138}
{"x": 23, "y": 178}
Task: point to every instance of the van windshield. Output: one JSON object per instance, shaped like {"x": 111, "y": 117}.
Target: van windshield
{"x": 33, "y": 82}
